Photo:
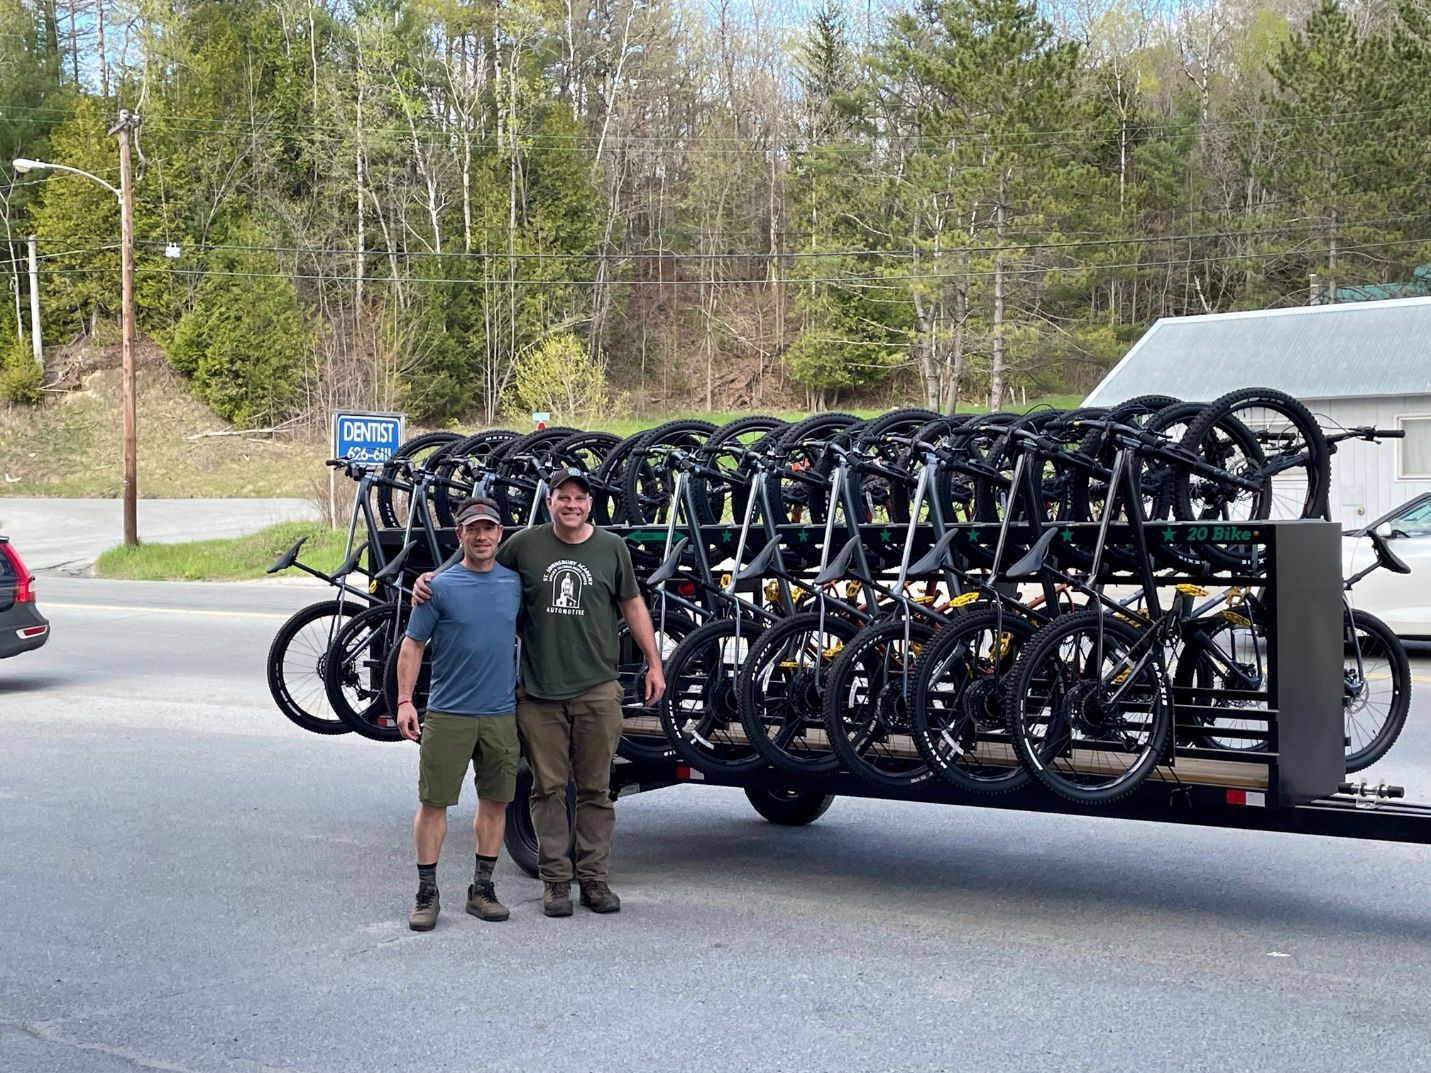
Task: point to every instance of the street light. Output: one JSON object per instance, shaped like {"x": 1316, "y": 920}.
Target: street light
{"x": 124, "y": 193}
{"x": 25, "y": 164}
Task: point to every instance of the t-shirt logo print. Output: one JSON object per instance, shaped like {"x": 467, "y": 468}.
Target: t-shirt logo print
{"x": 566, "y": 580}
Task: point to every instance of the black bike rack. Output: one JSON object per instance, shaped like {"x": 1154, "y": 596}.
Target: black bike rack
{"x": 1298, "y": 785}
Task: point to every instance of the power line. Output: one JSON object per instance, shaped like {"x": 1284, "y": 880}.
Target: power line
{"x": 885, "y": 281}
{"x": 1343, "y": 226}
{"x": 667, "y": 143}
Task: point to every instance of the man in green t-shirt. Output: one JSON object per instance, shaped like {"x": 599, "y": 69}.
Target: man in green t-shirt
{"x": 576, "y": 581}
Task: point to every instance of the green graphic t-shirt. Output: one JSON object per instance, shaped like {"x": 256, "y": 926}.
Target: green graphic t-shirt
{"x": 570, "y": 595}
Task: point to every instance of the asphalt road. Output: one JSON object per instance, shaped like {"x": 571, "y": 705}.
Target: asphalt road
{"x": 189, "y": 883}
{"x": 70, "y": 534}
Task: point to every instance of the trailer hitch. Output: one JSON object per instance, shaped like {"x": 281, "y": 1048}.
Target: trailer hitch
{"x": 1369, "y": 795}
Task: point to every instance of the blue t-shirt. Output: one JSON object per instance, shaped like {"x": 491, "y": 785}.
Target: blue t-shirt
{"x": 471, "y": 622}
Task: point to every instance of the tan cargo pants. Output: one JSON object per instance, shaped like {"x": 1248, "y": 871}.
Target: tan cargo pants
{"x": 576, "y": 739}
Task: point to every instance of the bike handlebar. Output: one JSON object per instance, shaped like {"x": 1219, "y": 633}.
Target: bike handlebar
{"x": 1369, "y": 433}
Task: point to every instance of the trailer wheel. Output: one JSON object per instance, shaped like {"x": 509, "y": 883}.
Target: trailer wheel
{"x": 789, "y": 808}
{"x": 521, "y": 836}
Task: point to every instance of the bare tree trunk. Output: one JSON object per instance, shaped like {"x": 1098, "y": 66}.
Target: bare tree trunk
{"x": 99, "y": 49}
{"x": 996, "y": 373}
{"x": 359, "y": 267}
{"x": 74, "y": 38}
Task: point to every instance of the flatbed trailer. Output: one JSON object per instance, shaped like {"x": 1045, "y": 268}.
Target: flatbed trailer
{"x": 1358, "y": 810}
{"x": 1295, "y": 782}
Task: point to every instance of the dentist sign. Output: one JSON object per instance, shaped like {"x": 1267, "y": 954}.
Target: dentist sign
{"x": 366, "y": 437}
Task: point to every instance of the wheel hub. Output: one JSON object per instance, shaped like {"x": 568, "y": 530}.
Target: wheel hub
{"x": 981, "y": 705}
{"x": 893, "y": 708}
{"x": 1087, "y": 709}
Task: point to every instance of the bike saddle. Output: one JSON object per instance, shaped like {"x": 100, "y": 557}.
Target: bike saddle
{"x": 287, "y": 559}
{"x": 1033, "y": 560}
{"x": 937, "y": 557}
{"x": 839, "y": 565}
{"x": 1385, "y": 556}
{"x": 395, "y": 566}
{"x": 349, "y": 564}
{"x": 757, "y": 566}
{"x": 667, "y": 570}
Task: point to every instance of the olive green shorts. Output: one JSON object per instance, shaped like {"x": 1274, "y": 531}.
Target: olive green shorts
{"x": 450, "y": 741}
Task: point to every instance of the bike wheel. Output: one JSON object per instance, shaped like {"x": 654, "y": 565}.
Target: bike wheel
{"x": 296, "y": 660}
{"x": 1088, "y": 707}
{"x": 1378, "y": 690}
{"x": 781, "y": 691}
{"x": 1291, "y": 464}
{"x": 607, "y": 507}
{"x": 520, "y": 469}
{"x": 392, "y": 503}
{"x": 461, "y": 465}
{"x": 421, "y": 688}
{"x": 957, "y": 722}
{"x": 868, "y": 701}
{"x": 585, "y": 450}
{"x": 642, "y": 737}
{"x": 699, "y": 713}
{"x": 1223, "y": 658}
{"x": 354, "y": 671}
{"x": 886, "y": 439}
{"x": 648, "y": 479}
{"x": 798, "y": 501}
{"x": 722, "y": 452}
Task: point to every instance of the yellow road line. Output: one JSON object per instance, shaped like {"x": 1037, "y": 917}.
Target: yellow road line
{"x": 163, "y": 610}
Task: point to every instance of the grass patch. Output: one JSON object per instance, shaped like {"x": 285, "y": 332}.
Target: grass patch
{"x": 230, "y": 559}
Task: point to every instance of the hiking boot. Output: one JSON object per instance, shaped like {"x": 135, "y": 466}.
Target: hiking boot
{"x": 556, "y": 899}
{"x": 424, "y": 911}
{"x": 598, "y": 897}
{"x": 482, "y": 902}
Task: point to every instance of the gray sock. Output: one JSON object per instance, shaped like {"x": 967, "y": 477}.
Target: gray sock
{"x": 427, "y": 875}
{"x": 483, "y": 873}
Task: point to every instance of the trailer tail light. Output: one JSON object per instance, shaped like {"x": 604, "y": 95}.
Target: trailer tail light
{"x": 24, "y": 580}
{"x": 1247, "y": 797}
{"x": 30, "y": 631}
{"x": 686, "y": 773}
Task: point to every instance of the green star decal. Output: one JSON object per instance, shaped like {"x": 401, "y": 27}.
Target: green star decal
{"x": 727, "y": 536}
{"x": 1067, "y": 535}
{"x": 1169, "y": 533}
{"x": 803, "y": 536}
{"x": 973, "y": 535}
{"x": 884, "y": 534}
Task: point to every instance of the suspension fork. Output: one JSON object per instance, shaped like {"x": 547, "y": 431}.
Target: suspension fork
{"x": 1349, "y": 628}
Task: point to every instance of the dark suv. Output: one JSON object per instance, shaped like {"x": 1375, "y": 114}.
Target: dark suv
{"x": 22, "y": 627}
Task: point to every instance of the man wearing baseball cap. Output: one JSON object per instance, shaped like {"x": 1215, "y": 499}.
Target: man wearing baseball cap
{"x": 577, "y": 581}
{"x": 471, "y": 620}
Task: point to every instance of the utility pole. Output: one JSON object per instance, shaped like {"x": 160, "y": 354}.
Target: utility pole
{"x": 122, "y": 129}
{"x": 39, "y": 347}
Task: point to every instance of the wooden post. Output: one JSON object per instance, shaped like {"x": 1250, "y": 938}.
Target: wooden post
{"x": 39, "y": 346}
{"x": 126, "y": 315}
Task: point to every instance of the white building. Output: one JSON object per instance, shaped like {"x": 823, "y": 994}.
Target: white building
{"x": 1362, "y": 363}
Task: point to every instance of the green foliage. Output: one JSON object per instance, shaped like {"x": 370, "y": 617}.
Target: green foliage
{"x": 433, "y": 340}
{"x": 561, "y": 378}
{"x": 245, "y": 344}
{"x": 21, "y": 379}
{"x": 227, "y": 559}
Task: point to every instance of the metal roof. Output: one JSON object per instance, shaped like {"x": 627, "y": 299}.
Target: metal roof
{"x": 1312, "y": 352}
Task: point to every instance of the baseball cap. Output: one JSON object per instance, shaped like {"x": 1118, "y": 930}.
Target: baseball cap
{"x": 478, "y": 510}
{"x": 570, "y": 473}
